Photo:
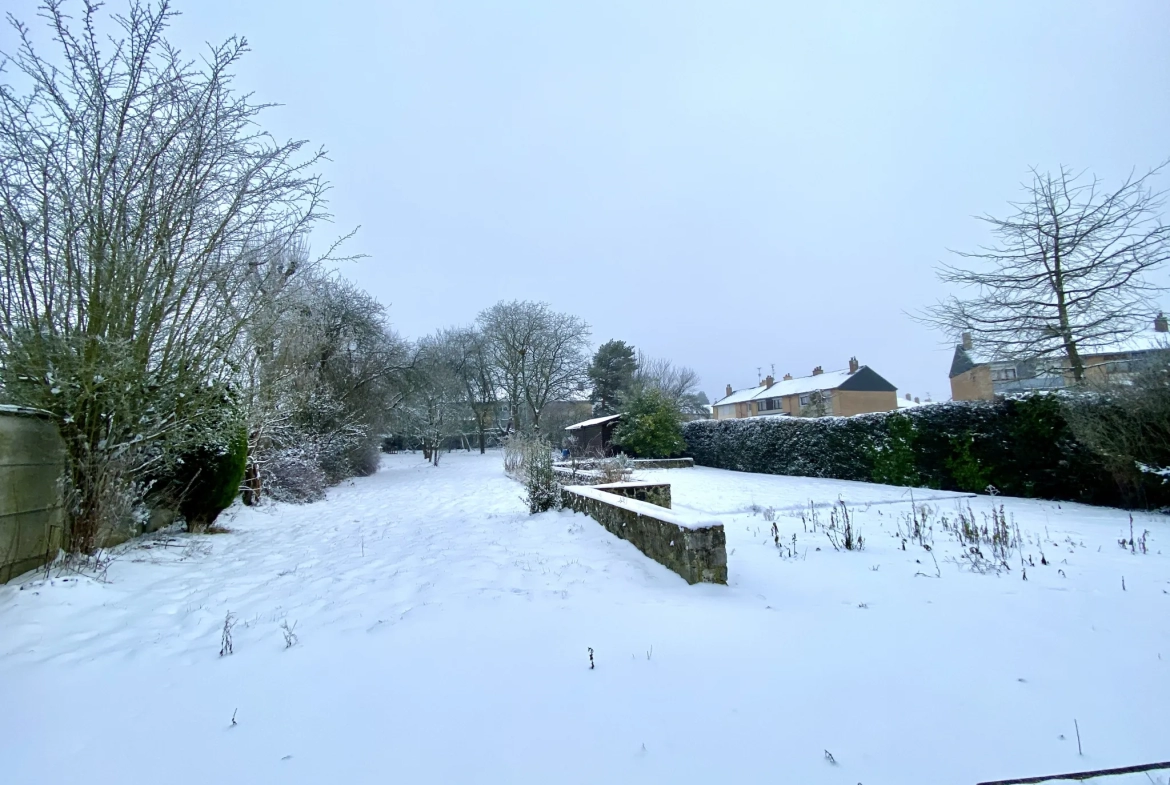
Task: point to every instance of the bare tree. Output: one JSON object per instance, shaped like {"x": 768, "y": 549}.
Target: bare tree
{"x": 436, "y": 407}
{"x": 319, "y": 374}
{"x": 678, "y": 384}
{"x": 134, "y": 185}
{"x": 1068, "y": 274}
{"x": 539, "y": 356}
{"x": 478, "y": 376}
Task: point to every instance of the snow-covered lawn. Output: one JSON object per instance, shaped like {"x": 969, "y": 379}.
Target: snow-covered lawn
{"x": 443, "y": 636}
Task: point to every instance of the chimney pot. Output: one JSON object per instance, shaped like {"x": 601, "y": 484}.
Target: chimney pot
{"x": 818, "y": 371}
{"x": 1160, "y": 324}
{"x": 853, "y": 365}
{"x": 729, "y": 390}
{"x": 967, "y": 342}
{"x": 787, "y": 377}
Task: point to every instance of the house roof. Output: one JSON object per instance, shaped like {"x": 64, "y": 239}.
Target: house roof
{"x": 1143, "y": 341}
{"x": 865, "y": 378}
{"x": 594, "y": 421}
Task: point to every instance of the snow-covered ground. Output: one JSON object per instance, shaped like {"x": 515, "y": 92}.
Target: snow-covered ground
{"x": 443, "y": 636}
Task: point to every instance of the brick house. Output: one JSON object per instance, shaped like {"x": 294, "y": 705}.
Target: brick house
{"x": 857, "y": 390}
{"x": 978, "y": 376}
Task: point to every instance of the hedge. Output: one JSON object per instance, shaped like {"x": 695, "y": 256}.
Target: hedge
{"x": 1021, "y": 447}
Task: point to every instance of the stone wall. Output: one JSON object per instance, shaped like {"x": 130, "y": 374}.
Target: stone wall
{"x": 656, "y": 493}
{"x": 663, "y": 463}
{"x": 696, "y": 550}
{"x": 32, "y": 508}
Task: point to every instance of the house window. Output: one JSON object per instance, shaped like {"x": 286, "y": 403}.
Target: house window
{"x": 768, "y": 405}
{"x": 1003, "y": 375}
{"x": 804, "y": 400}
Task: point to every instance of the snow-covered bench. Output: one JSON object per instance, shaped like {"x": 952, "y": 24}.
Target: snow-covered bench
{"x": 695, "y": 549}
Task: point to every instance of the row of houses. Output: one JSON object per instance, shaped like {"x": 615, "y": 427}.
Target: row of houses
{"x": 856, "y": 389}
{"x": 977, "y": 376}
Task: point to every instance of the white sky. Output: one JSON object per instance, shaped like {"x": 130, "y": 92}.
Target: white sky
{"x": 731, "y": 185}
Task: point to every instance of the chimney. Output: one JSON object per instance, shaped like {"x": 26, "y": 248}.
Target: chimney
{"x": 768, "y": 382}
{"x": 908, "y": 396}
{"x": 917, "y": 401}
{"x": 853, "y": 366}
{"x": 967, "y": 342}
{"x": 787, "y": 377}
{"x": 1160, "y": 325}
{"x": 818, "y": 371}
{"x": 729, "y": 390}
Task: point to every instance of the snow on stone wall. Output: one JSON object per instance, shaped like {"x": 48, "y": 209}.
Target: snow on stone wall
{"x": 696, "y": 550}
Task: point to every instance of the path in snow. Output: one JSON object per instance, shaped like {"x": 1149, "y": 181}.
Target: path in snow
{"x": 443, "y": 636}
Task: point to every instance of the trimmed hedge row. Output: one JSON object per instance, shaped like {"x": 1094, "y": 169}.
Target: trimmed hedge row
{"x": 1022, "y": 447}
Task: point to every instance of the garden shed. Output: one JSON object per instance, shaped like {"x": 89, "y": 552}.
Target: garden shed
{"x": 593, "y": 437}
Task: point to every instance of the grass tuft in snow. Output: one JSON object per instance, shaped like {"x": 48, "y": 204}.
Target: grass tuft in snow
{"x": 225, "y": 645}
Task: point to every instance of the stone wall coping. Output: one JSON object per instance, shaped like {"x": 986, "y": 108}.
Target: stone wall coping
{"x": 642, "y": 508}
{"x": 630, "y": 484}
{"x": 23, "y": 411}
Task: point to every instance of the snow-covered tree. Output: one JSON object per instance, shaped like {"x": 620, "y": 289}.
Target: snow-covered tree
{"x": 539, "y": 355}
{"x": 134, "y": 183}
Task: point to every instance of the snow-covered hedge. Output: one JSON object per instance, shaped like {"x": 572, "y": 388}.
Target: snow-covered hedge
{"x": 1020, "y": 447}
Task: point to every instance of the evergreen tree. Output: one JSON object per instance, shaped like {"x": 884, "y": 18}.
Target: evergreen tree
{"x": 652, "y": 426}
{"x": 612, "y": 372}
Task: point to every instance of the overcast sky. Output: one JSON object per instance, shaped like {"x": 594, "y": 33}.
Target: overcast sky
{"x": 730, "y": 185}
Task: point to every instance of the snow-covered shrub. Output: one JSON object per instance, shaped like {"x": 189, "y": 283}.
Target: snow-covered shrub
{"x": 651, "y": 427}
{"x": 542, "y": 491}
{"x": 215, "y": 472}
{"x": 529, "y": 459}
{"x": 1023, "y": 447}
{"x": 365, "y": 459}
{"x": 616, "y": 469}
{"x": 293, "y": 475}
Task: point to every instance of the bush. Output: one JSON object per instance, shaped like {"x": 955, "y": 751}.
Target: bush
{"x": 543, "y": 492}
{"x": 210, "y": 479}
{"x": 529, "y": 460}
{"x": 651, "y": 427}
{"x": 1023, "y": 447}
{"x": 294, "y": 475}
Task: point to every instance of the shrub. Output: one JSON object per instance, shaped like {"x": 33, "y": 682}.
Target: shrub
{"x": 213, "y": 473}
{"x": 1023, "y": 446}
{"x": 293, "y": 475}
{"x": 529, "y": 460}
{"x": 893, "y": 456}
{"x": 543, "y": 492}
{"x": 651, "y": 427}
{"x": 615, "y": 469}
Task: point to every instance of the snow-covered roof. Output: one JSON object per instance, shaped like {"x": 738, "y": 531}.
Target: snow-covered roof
{"x": 905, "y": 404}
{"x": 594, "y": 421}
{"x": 805, "y": 384}
{"x": 1143, "y": 341}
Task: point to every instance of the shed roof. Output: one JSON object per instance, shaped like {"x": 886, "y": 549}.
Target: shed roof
{"x": 594, "y": 421}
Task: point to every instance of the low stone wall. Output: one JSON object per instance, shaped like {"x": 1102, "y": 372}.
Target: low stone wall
{"x": 663, "y": 463}
{"x": 696, "y": 550}
{"x": 656, "y": 493}
{"x": 569, "y": 476}
{"x": 32, "y": 507}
